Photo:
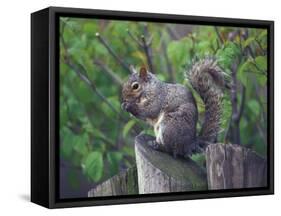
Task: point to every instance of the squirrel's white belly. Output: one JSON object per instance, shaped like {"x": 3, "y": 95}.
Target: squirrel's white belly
{"x": 159, "y": 128}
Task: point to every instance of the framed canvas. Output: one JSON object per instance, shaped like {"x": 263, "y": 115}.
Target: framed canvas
{"x": 138, "y": 107}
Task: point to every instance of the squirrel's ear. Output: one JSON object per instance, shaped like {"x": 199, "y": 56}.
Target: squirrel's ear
{"x": 143, "y": 73}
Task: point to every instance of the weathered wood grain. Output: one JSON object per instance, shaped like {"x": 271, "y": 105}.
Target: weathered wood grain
{"x": 124, "y": 183}
{"x": 234, "y": 166}
{"x": 159, "y": 172}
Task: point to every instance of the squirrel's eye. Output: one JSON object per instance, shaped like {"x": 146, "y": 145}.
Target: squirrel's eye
{"x": 135, "y": 86}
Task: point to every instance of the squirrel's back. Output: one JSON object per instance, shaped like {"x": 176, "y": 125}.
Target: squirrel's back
{"x": 178, "y": 94}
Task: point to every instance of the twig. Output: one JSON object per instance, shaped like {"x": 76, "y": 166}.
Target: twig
{"x": 134, "y": 38}
{"x": 260, "y": 46}
{"x": 82, "y": 75}
{"x": 107, "y": 70}
{"x": 217, "y": 48}
{"x": 147, "y": 48}
{"x": 228, "y": 129}
{"x": 219, "y": 36}
{"x": 240, "y": 41}
{"x": 64, "y": 21}
{"x": 168, "y": 62}
{"x": 174, "y": 34}
{"x": 262, "y": 132}
{"x": 112, "y": 52}
{"x": 248, "y": 50}
{"x": 145, "y": 45}
{"x": 258, "y": 68}
{"x": 234, "y": 103}
{"x": 147, "y": 53}
{"x": 264, "y": 115}
{"x": 81, "y": 72}
{"x": 78, "y": 70}
{"x": 242, "y": 105}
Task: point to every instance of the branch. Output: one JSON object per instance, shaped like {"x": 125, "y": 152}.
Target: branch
{"x": 145, "y": 45}
{"x": 107, "y": 70}
{"x": 242, "y": 105}
{"x": 147, "y": 48}
{"x": 258, "y": 68}
{"x": 81, "y": 72}
{"x": 260, "y": 46}
{"x": 83, "y": 76}
{"x": 168, "y": 62}
{"x": 219, "y": 36}
{"x": 112, "y": 52}
{"x": 148, "y": 54}
{"x": 174, "y": 34}
{"x": 134, "y": 38}
{"x": 234, "y": 103}
{"x": 262, "y": 132}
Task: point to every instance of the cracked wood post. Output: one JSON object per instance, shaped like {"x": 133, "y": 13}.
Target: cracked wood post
{"x": 124, "y": 183}
{"x": 159, "y": 172}
{"x": 234, "y": 166}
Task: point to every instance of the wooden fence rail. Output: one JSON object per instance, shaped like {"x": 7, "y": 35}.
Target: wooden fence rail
{"x": 233, "y": 166}
{"x": 227, "y": 166}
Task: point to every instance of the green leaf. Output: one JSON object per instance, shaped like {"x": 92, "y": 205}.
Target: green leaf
{"x": 63, "y": 115}
{"x": 261, "y": 62}
{"x": 248, "y": 41}
{"x": 242, "y": 74}
{"x": 129, "y": 151}
{"x": 94, "y": 166}
{"x": 200, "y": 159}
{"x": 262, "y": 35}
{"x": 246, "y": 72}
{"x": 128, "y": 126}
{"x": 228, "y": 54}
{"x": 67, "y": 143}
{"x": 140, "y": 55}
{"x": 259, "y": 147}
{"x": 81, "y": 144}
{"x": 114, "y": 159}
{"x": 98, "y": 134}
{"x": 203, "y": 48}
{"x": 75, "y": 108}
{"x": 250, "y": 69}
{"x": 262, "y": 79}
{"x": 84, "y": 93}
{"x": 178, "y": 51}
{"x": 117, "y": 28}
{"x": 262, "y": 39}
{"x": 254, "y": 106}
{"x": 90, "y": 27}
{"x": 114, "y": 101}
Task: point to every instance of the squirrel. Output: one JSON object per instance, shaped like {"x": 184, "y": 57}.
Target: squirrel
{"x": 172, "y": 110}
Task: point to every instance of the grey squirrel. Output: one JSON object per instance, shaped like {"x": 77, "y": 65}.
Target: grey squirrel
{"x": 171, "y": 108}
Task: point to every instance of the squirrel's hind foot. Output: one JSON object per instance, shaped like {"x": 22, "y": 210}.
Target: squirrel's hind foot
{"x": 153, "y": 144}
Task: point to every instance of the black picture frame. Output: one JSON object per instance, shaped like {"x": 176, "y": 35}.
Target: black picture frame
{"x": 45, "y": 101}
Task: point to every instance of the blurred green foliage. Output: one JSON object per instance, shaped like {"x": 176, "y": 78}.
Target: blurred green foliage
{"x": 96, "y": 136}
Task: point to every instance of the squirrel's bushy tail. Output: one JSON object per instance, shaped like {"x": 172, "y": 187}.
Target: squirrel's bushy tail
{"x": 207, "y": 78}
